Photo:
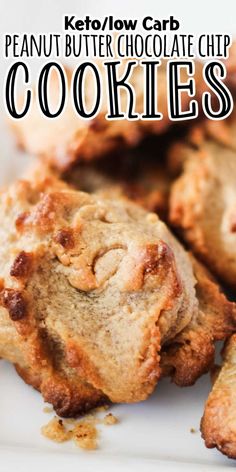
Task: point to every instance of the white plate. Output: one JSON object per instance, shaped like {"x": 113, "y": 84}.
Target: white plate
{"x": 154, "y": 435}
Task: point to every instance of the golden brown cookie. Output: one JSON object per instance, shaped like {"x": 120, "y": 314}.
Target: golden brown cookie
{"x": 39, "y": 359}
{"x": 218, "y": 423}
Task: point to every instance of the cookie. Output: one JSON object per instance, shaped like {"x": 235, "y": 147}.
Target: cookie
{"x": 91, "y": 288}
{"x": 69, "y": 138}
{"x": 202, "y": 203}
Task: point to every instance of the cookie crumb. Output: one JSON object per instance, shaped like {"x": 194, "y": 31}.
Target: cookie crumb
{"x": 85, "y": 435}
{"x": 110, "y": 419}
{"x": 47, "y": 409}
{"x": 193, "y": 430}
{"x": 55, "y": 430}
